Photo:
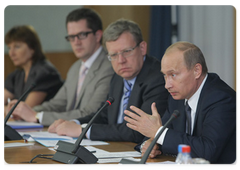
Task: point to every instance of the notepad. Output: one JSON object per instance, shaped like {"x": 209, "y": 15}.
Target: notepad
{"x": 23, "y": 125}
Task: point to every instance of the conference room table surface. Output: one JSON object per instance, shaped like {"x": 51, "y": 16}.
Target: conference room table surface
{"x": 23, "y": 154}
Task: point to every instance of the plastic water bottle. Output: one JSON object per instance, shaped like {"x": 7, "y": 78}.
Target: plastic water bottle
{"x": 186, "y": 157}
{"x": 179, "y": 156}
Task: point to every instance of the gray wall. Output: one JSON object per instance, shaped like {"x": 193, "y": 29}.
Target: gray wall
{"x": 211, "y": 28}
{"x": 48, "y": 21}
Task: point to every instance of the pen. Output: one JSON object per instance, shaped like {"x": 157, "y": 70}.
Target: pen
{"x": 93, "y": 151}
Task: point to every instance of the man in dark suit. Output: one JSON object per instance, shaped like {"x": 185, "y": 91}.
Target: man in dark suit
{"x": 211, "y": 128}
{"x": 136, "y": 82}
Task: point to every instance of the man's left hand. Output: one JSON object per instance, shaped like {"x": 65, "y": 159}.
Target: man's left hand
{"x": 144, "y": 123}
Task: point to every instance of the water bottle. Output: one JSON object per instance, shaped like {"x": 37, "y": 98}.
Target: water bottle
{"x": 186, "y": 157}
{"x": 179, "y": 156}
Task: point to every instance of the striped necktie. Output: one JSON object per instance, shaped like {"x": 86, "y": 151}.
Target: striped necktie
{"x": 127, "y": 87}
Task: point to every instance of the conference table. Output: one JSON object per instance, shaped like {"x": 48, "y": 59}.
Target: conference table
{"x": 23, "y": 154}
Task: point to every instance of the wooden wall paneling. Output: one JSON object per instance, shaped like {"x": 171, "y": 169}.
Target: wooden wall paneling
{"x": 138, "y": 13}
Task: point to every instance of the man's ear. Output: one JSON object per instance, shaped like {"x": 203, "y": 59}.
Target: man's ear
{"x": 197, "y": 70}
{"x": 143, "y": 47}
{"x": 98, "y": 35}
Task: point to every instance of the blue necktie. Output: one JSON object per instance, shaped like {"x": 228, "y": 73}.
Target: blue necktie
{"x": 127, "y": 94}
{"x": 189, "y": 120}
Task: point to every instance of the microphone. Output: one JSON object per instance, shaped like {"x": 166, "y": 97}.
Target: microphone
{"x": 149, "y": 149}
{"x": 10, "y": 133}
{"x": 75, "y": 153}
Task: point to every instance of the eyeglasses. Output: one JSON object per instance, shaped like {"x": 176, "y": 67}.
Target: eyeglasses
{"x": 80, "y": 36}
{"x": 125, "y": 53}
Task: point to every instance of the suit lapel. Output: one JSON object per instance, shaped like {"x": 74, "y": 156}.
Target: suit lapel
{"x": 200, "y": 101}
{"x": 180, "y": 124}
{"x": 72, "y": 86}
{"x": 117, "y": 92}
{"x": 138, "y": 83}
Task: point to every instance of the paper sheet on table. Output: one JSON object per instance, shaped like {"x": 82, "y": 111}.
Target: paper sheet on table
{"x": 52, "y": 143}
{"x": 164, "y": 162}
{"x": 17, "y": 144}
{"x": 118, "y": 154}
{"x": 111, "y": 160}
{"x": 109, "y": 157}
{"x": 51, "y": 139}
{"x": 45, "y": 136}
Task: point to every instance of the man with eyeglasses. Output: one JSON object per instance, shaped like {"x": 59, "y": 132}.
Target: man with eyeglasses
{"x": 137, "y": 81}
{"x": 88, "y": 79}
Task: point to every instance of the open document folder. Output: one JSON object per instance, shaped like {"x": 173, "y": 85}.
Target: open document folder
{"x": 51, "y": 139}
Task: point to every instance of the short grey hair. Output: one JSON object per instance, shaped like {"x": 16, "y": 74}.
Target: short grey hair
{"x": 115, "y": 29}
{"x": 192, "y": 54}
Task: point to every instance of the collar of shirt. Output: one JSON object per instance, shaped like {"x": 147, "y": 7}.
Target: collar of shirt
{"x": 91, "y": 59}
{"x": 132, "y": 81}
{"x": 193, "y": 101}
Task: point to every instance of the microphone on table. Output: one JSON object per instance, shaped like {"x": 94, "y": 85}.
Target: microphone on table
{"x": 75, "y": 153}
{"x": 149, "y": 149}
{"x": 10, "y": 133}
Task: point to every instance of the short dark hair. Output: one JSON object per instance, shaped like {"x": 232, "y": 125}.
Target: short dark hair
{"x": 94, "y": 21}
{"x": 28, "y": 35}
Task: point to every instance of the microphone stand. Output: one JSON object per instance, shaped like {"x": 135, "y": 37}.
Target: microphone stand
{"x": 149, "y": 149}
{"x": 10, "y": 133}
{"x": 75, "y": 153}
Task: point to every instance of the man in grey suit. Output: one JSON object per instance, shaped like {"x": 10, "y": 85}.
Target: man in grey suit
{"x": 137, "y": 81}
{"x": 88, "y": 79}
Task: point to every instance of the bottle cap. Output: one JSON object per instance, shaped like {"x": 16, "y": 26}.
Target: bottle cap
{"x": 186, "y": 149}
{"x": 180, "y": 147}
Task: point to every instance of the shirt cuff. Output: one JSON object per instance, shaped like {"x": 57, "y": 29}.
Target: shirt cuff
{"x": 39, "y": 116}
{"x": 88, "y": 133}
{"x": 161, "y": 138}
{"x": 76, "y": 121}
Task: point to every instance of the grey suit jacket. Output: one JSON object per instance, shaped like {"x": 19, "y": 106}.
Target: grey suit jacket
{"x": 94, "y": 91}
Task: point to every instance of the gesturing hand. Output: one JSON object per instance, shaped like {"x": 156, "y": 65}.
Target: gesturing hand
{"x": 144, "y": 123}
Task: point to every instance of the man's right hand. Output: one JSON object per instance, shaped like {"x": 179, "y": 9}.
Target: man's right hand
{"x": 54, "y": 125}
{"x": 155, "y": 151}
{"x": 65, "y": 128}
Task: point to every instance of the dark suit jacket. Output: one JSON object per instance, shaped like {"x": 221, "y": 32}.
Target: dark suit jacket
{"x": 214, "y": 133}
{"x": 148, "y": 88}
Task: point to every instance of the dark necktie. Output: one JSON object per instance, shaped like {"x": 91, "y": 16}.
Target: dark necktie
{"x": 189, "y": 120}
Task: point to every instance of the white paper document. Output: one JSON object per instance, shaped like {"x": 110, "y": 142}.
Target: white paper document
{"x": 17, "y": 144}
{"x": 45, "y": 136}
{"x": 118, "y": 154}
{"x": 52, "y": 143}
{"x": 51, "y": 139}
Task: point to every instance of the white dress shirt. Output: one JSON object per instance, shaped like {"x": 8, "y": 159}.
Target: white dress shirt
{"x": 192, "y": 102}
